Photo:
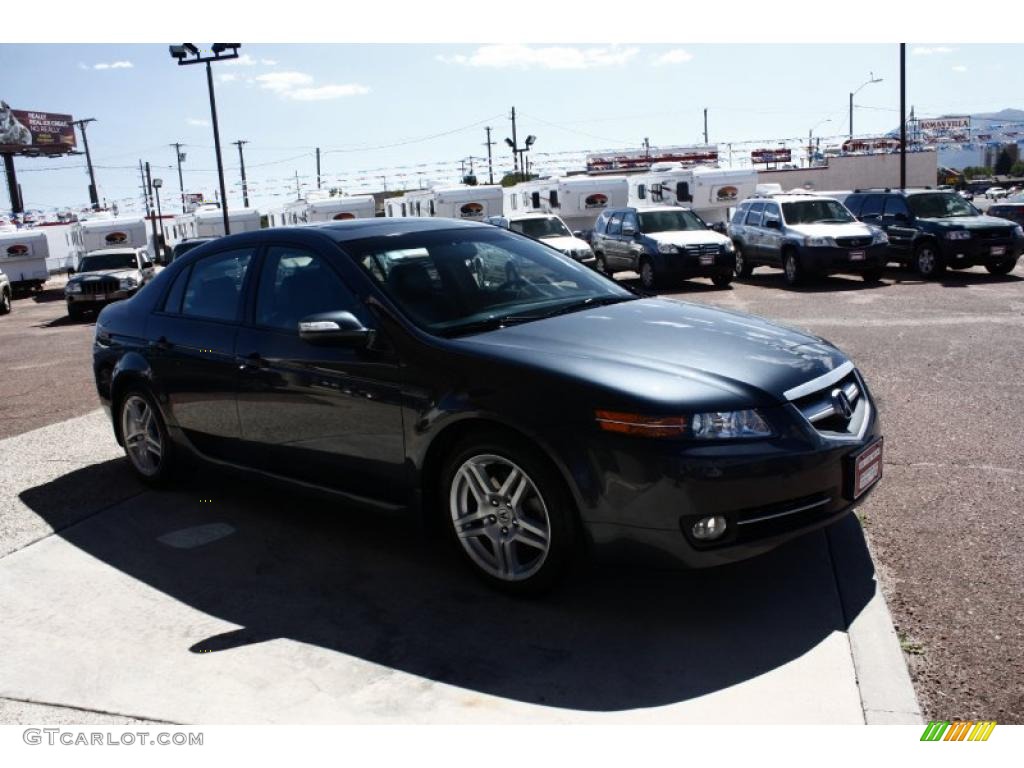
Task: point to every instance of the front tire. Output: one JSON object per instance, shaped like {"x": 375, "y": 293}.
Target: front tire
{"x": 872, "y": 275}
{"x": 5, "y": 303}
{"x": 508, "y": 513}
{"x": 722, "y": 280}
{"x": 648, "y": 277}
{"x": 1004, "y": 267}
{"x": 928, "y": 262}
{"x": 144, "y": 435}
{"x": 743, "y": 267}
{"x": 601, "y": 265}
{"x": 794, "y": 271}
{"x": 75, "y": 312}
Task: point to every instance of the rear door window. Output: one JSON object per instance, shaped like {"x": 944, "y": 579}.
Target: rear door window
{"x": 615, "y": 224}
{"x": 853, "y": 203}
{"x": 896, "y": 204}
{"x": 872, "y": 206}
{"x": 214, "y": 289}
{"x": 754, "y": 216}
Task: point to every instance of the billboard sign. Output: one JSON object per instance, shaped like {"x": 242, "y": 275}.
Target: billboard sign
{"x": 26, "y": 131}
{"x": 633, "y": 159}
{"x": 944, "y": 124}
{"x": 778, "y": 155}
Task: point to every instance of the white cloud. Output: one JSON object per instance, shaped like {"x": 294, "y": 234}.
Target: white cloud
{"x": 244, "y": 60}
{"x": 549, "y": 57}
{"x": 675, "y": 56}
{"x": 227, "y": 77}
{"x": 959, "y": 68}
{"x": 197, "y": 122}
{"x": 114, "y": 65}
{"x": 324, "y": 92}
{"x": 279, "y": 82}
{"x": 268, "y": 62}
{"x": 932, "y": 51}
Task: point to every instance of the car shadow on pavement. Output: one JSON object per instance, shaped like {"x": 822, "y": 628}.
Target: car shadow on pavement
{"x": 378, "y": 588}
{"x": 773, "y": 278}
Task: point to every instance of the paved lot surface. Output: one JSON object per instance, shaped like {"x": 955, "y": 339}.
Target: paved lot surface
{"x": 338, "y": 617}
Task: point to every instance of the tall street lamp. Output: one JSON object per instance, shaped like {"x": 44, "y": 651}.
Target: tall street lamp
{"x": 157, "y": 183}
{"x": 868, "y": 82}
{"x": 189, "y": 54}
{"x": 810, "y": 139}
{"x": 530, "y": 140}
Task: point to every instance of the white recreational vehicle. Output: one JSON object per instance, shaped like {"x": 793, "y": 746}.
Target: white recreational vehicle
{"x": 109, "y": 232}
{"x": 23, "y": 257}
{"x": 710, "y": 192}
{"x": 207, "y": 220}
{"x": 578, "y": 200}
{"x": 340, "y": 208}
{"x": 463, "y": 201}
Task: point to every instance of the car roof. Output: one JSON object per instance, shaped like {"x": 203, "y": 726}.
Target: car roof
{"x": 121, "y": 249}
{"x": 357, "y": 229}
{"x": 648, "y": 208}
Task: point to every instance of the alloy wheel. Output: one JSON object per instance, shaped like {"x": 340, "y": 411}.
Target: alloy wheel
{"x": 926, "y": 261}
{"x": 790, "y": 268}
{"x": 647, "y": 274}
{"x": 5, "y": 303}
{"x": 500, "y": 517}
{"x": 143, "y": 441}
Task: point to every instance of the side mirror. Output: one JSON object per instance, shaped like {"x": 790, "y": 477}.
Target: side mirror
{"x": 147, "y": 265}
{"x": 340, "y": 329}
{"x": 628, "y": 231}
{"x": 773, "y": 224}
{"x": 578, "y": 233}
{"x": 71, "y": 271}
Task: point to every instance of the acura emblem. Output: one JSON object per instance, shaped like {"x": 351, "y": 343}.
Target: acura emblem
{"x": 841, "y": 403}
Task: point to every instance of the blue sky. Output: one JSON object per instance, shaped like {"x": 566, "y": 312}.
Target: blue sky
{"x": 417, "y": 109}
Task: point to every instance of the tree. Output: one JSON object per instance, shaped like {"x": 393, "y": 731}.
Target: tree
{"x": 1017, "y": 169}
{"x": 1004, "y": 162}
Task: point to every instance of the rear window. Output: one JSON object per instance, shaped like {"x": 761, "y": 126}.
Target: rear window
{"x": 754, "y": 216}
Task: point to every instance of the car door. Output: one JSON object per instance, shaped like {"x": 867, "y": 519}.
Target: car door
{"x": 192, "y": 349}
{"x": 613, "y": 252}
{"x": 770, "y": 236}
{"x": 628, "y": 240}
{"x": 896, "y": 221}
{"x": 329, "y": 415}
{"x": 752, "y": 233}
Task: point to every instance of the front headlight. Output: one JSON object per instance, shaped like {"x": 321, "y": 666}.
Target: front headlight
{"x": 127, "y": 283}
{"x": 728, "y": 247}
{"x": 958, "y": 234}
{"x": 73, "y": 288}
{"x": 879, "y": 238}
{"x": 1018, "y": 231}
{"x": 666, "y": 248}
{"x": 819, "y": 242}
{"x": 702, "y": 426}
{"x": 729, "y": 424}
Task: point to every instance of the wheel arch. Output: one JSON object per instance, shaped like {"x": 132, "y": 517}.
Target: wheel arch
{"x": 129, "y": 373}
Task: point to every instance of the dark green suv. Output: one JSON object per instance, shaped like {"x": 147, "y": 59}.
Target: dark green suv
{"x": 933, "y": 229}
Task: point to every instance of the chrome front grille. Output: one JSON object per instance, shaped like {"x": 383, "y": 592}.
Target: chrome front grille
{"x": 707, "y": 249}
{"x": 834, "y": 404}
{"x": 853, "y": 242}
{"x": 105, "y": 285}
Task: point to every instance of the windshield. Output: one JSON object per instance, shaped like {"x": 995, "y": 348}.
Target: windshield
{"x": 103, "y": 261}
{"x": 541, "y": 228}
{"x": 816, "y": 212}
{"x": 462, "y": 281}
{"x": 939, "y": 205}
{"x": 670, "y": 221}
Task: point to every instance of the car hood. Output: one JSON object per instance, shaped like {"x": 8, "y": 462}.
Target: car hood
{"x": 971, "y": 222}
{"x": 668, "y": 351}
{"x": 688, "y": 237}
{"x": 567, "y": 243}
{"x": 851, "y": 229}
{"x": 120, "y": 274}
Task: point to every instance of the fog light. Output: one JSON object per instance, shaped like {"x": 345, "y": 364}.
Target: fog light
{"x": 709, "y": 528}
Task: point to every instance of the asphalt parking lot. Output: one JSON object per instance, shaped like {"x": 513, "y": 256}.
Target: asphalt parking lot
{"x": 228, "y": 602}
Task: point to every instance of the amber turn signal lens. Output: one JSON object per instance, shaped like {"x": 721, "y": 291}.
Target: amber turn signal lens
{"x": 639, "y": 424}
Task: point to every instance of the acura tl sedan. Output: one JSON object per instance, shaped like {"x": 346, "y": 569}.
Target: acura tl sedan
{"x": 526, "y": 404}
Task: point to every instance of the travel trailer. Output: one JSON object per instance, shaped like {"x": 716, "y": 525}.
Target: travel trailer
{"x": 578, "y": 200}
{"x": 109, "y": 232}
{"x": 462, "y": 201}
{"x": 208, "y": 221}
{"x": 23, "y": 257}
{"x": 340, "y": 208}
{"x": 710, "y": 192}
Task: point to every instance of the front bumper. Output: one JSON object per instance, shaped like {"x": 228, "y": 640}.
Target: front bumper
{"x": 826, "y": 259}
{"x": 98, "y": 299}
{"x": 980, "y": 251}
{"x": 769, "y": 491}
{"x": 683, "y": 264}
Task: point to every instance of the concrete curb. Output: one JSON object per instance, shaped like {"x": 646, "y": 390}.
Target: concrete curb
{"x": 886, "y": 691}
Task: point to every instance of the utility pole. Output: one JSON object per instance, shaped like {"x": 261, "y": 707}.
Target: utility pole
{"x": 152, "y": 218}
{"x": 647, "y": 148}
{"x": 13, "y": 187}
{"x": 318, "y": 167}
{"x": 384, "y": 179}
{"x": 145, "y": 187}
{"x": 241, "y": 161}
{"x": 93, "y": 196}
{"x": 181, "y": 182}
{"x": 903, "y": 115}
{"x": 705, "y": 125}
{"x": 298, "y": 194}
{"x": 490, "y": 164}
{"x": 515, "y": 142}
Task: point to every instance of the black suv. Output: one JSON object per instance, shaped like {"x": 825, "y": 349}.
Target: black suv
{"x": 932, "y": 229}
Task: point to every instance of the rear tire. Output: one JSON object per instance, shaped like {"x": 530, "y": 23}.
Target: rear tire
{"x": 722, "y": 280}
{"x": 75, "y": 312}
{"x": 1004, "y": 267}
{"x": 601, "y": 265}
{"x": 5, "y": 302}
{"x": 525, "y": 546}
{"x": 149, "y": 451}
{"x": 928, "y": 262}
{"x": 743, "y": 267}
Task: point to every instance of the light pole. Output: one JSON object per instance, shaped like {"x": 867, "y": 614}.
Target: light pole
{"x": 810, "y": 139}
{"x": 157, "y": 183}
{"x": 871, "y": 81}
{"x": 220, "y": 53}
{"x": 530, "y": 140}
{"x": 241, "y": 161}
{"x": 93, "y": 193}
{"x": 181, "y": 180}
